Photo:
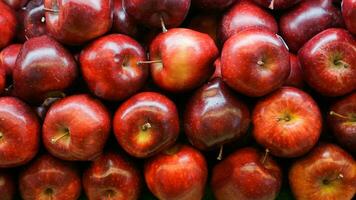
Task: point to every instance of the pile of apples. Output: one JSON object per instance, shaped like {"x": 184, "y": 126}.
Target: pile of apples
{"x": 177, "y": 99}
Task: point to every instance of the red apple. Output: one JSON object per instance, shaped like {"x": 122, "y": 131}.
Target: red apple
{"x": 179, "y": 173}
{"x": 205, "y": 23}
{"x": 34, "y": 19}
{"x": 287, "y": 122}
{"x": 245, "y": 15}
{"x": 8, "y": 58}
{"x": 247, "y": 174}
{"x": 76, "y": 128}
{"x": 214, "y": 116}
{"x": 277, "y": 4}
{"x": 217, "y": 72}
{"x": 43, "y": 67}
{"x": 342, "y": 120}
{"x": 8, "y": 23}
{"x": 295, "y": 78}
{"x": 329, "y": 62}
{"x": 49, "y": 178}
{"x": 76, "y": 21}
{"x": 328, "y": 172}
{"x": 122, "y": 21}
{"x": 111, "y": 177}
{"x": 146, "y": 124}
{"x": 212, "y": 4}
{"x": 19, "y": 133}
{"x": 2, "y": 80}
{"x": 348, "y": 8}
{"x": 308, "y": 19}
{"x": 182, "y": 59}
{"x": 7, "y": 186}
{"x": 16, "y": 4}
{"x": 109, "y": 66}
{"x": 255, "y": 62}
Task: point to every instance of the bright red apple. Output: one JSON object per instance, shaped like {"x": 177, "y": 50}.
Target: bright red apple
{"x": 329, "y": 62}
{"x": 295, "y": 78}
{"x": 277, "y": 4}
{"x": 287, "y": 122}
{"x": 7, "y": 185}
{"x": 8, "y": 23}
{"x": 328, "y": 172}
{"x": 16, "y": 4}
{"x": 348, "y": 8}
{"x": 122, "y": 21}
{"x": 146, "y": 124}
{"x": 76, "y": 128}
{"x": 255, "y": 62}
{"x": 34, "y": 19}
{"x": 212, "y": 4}
{"x": 8, "y": 58}
{"x": 179, "y": 173}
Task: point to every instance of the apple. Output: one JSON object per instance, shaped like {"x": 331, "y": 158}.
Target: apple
{"x": 122, "y": 21}
{"x": 7, "y": 186}
{"x": 348, "y": 8}
{"x": 43, "y": 67}
{"x": 34, "y": 19}
{"x": 8, "y": 24}
{"x": 328, "y": 172}
{"x": 146, "y": 124}
{"x": 182, "y": 59}
{"x": 8, "y": 58}
{"x": 308, "y": 19}
{"x": 2, "y": 80}
{"x": 111, "y": 177}
{"x": 245, "y": 15}
{"x": 49, "y": 178}
{"x": 277, "y": 4}
{"x": 16, "y": 4}
{"x": 214, "y": 116}
{"x": 295, "y": 78}
{"x": 178, "y": 173}
{"x": 212, "y": 4}
{"x": 75, "y": 22}
{"x": 217, "y": 72}
{"x": 255, "y": 62}
{"x": 246, "y": 174}
{"x": 109, "y": 66}
{"x": 342, "y": 120}
{"x": 329, "y": 62}
{"x": 206, "y": 23}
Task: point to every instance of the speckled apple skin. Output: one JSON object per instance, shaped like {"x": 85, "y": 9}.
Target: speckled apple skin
{"x": 8, "y": 24}
{"x": 348, "y": 8}
{"x": 8, "y": 58}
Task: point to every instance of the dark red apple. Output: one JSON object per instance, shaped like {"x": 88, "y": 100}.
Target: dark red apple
{"x": 206, "y": 23}
{"x": 329, "y": 62}
{"x": 109, "y": 66}
{"x": 182, "y": 59}
{"x": 16, "y": 4}
{"x": 76, "y": 128}
{"x": 217, "y": 72}
{"x": 111, "y": 177}
{"x": 76, "y": 21}
{"x": 348, "y": 8}
{"x": 7, "y": 186}
{"x": 8, "y": 58}
{"x": 19, "y": 132}
{"x": 342, "y": 120}
{"x": 328, "y": 172}
{"x": 212, "y": 4}
{"x": 277, "y": 4}
{"x": 287, "y": 122}
{"x": 8, "y": 24}
{"x": 49, "y": 178}
{"x": 255, "y": 62}
{"x": 146, "y": 124}
{"x": 2, "y": 80}
{"x": 43, "y": 67}
{"x": 34, "y": 19}
{"x": 214, "y": 116}
{"x": 179, "y": 173}
{"x": 122, "y": 21}
{"x": 308, "y": 19}
{"x": 247, "y": 174}
{"x": 295, "y": 78}
{"x": 245, "y": 15}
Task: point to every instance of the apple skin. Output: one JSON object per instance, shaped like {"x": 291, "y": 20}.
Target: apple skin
{"x": 187, "y": 59}
{"x": 308, "y": 19}
{"x": 329, "y": 62}
{"x": 16, "y": 4}
{"x": 2, "y": 80}
{"x": 212, "y": 4}
{"x": 348, "y": 8}
{"x": 78, "y": 21}
{"x": 8, "y": 58}
{"x": 287, "y": 122}
{"x": 217, "y": 72}
{"x": 277, "y": 4}
{"x": 122, "y": 21}
{"x": 344, "y": 129}
{"x": 84, "y": 123}
{"x": 295, "y": 78}
{"x": 43, "y": 66}
{"x": 317, "y": 175}
{"x": 206, "y": 23}
{"x": 33, "y": 19}
{"x": 246, "y": 175}
{"x": 179, "y": 173}
{"x": 240, "y": 60}
{"x": 7, "y": 186}
{"x": 149, "y": 12}
{"x": 109, "y": 66}
{"x": 49, "y": 178}
{"x": 245, "y": 15}
{"x": 113, "y": 177}
{"x": 19, "y": 127}
{"x": 146, "y": 124}
{"x": 8, "y": 24}
{"x": 214, "y": 116}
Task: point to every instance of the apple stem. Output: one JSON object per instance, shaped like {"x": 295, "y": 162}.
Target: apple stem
{"x": 341, "y": 62}
{"x": 271, "y": 5}
{"x": 9, "y": 88}
{"x": 50, "y": 10}
{"x": 146, "y": 126}
{"x": 340, "y": 176}
{"x": 149, "y": 62}
{"x": 265, "y": 156}
{"x": 54, "y": 140}
{"x": 43, "y": 19}
{"x": 221, "y": 150}
{"x": 339, "y": 115}
{"x": 164, "y": 29}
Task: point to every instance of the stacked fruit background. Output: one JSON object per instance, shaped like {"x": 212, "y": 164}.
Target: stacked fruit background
{"x": 177, "y": 99}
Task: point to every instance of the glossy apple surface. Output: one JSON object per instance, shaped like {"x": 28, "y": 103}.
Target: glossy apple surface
{"x": 287, "y": 122}
{"x": 277, "y": 4}
{"x": 109, "y": 66}
{"x": 329, "y": 62}
{"x": 178, "y": 173}
{"x": 34, "y": 19}
{"x": 214, "y": 116}
{"x": 19, "y": 127}
{"x": 111, "y": 177}
{"x": 212, "y": 4}
{"x": 122, "y": 21}
{"x": 49, "y": 178}
{"x": 255, "y": 62}
{"x": 8, "y": 58}
{"x": 146, "y": 123}
{"x": 328, "y": 172}
{"x": 16, "y": 4}
{"x": 8, "y": 23}
{"x": 295, "y": 77}
{"x": 7, "y": 186}
{"x": 246, "y": 174}
{"x": 348, "y": 9}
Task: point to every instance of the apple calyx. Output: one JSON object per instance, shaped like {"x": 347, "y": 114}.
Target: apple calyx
{"x": 285, "y": 117}
{"x": 49, "y": 192}
{"x": 109, "y": 194}
{"x": 260, "y": 63}
{"x": 349, "y": 118}
{"x": 164, "y": 29}
{"x": 265, "y": 156}
{"x": 146, "y": 126}
{"x": 271, "y": 5}
{"x": 66, "y": 133}
{"x": 149, "y": 62}
{"x": 341, "y": 63}
{"x": 327, "y": 182}
{"x": 1, "y": 135}
{"x": 221, "y": 150}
